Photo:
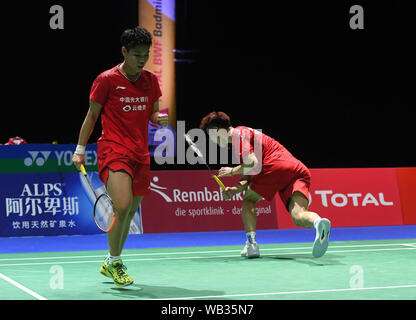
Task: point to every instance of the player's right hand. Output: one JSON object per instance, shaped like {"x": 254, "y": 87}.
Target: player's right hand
{"x": 78, "y": 159}
{"x": 229, "y": 192}
{"x": 225, "y": 172}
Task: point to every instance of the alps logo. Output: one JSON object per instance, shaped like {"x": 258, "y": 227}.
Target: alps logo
{"x": 37, "y": 157}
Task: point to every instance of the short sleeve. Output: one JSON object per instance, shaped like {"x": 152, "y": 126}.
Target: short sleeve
{"x": 100, "y": 89}
{"x": 243, "y": 141}
{"x": 247, "y": 142}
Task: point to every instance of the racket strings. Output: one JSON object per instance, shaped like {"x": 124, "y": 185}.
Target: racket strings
{"x": 104, "y": 212}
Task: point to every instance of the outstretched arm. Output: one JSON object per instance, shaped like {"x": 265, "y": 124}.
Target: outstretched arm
{"x": 249, "y": 162}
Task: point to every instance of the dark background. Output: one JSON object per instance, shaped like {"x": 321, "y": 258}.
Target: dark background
{"x": 335, "y": 97}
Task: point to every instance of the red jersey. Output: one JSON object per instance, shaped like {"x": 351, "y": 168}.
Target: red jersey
{"x": 126, "y": 112}
{"x": 280, "y": 171}
{"x": 251, "y": 140}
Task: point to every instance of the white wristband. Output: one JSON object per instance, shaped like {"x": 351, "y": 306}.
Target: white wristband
{"x": 80, "y": 149}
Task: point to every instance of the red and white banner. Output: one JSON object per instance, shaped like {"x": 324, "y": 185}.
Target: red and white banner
{"x": 352, "y": 197}
{"x": 187, "y": 201}
{"x": 406, "y": 179}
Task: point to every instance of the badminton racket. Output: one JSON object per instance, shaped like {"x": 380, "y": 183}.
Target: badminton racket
{"x": 104, "y": 215}
{"x": 200, "y": 155}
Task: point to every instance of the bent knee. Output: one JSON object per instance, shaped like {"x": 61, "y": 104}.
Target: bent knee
{"x": 298, "y": 217}
{"x": 251, "y": 197}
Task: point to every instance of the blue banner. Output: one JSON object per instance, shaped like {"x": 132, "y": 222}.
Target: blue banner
{"x": 44, "y": 194}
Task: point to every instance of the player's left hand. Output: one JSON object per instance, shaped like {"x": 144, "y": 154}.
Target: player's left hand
{"x": 163, "y": 119}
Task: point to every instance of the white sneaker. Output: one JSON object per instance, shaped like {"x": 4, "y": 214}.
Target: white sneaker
{"x": 320, "y": 244}
{"x": 250, "y": 251}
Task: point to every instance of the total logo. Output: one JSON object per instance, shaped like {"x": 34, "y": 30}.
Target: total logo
{"x": 63, "y": 158}
{"x": 357, "y": 199}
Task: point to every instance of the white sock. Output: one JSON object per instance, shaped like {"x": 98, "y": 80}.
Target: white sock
{"x": 112, "y": 259}
{"x": 251, "y": 237}
{"x": 315, "y": 223}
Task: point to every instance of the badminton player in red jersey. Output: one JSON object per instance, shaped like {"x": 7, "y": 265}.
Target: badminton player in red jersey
{"x": 127, "y": 98}
{"x": 267, "y": 168}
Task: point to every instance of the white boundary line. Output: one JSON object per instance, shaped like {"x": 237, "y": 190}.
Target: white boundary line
{"x": 198, "y": 257}
{"x": 412, "y": 245}
{"x": 22, "y": 287}
{"x": 289, "y": 292}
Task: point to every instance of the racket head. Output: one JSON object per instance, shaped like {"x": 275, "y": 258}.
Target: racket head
{"x": 104, "y": 214}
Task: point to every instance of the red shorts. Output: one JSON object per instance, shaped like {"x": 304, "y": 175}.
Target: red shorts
{"x": 283, "y": 176}
{"x": 140, "y": 173}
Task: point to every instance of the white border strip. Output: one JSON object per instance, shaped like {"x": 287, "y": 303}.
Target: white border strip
{"x": 21, "y": 287}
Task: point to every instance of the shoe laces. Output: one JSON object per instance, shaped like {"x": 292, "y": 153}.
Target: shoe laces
{"x": 120, "y": 269}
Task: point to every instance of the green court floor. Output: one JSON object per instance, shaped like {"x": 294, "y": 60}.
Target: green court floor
{"x": 382, "y": 269}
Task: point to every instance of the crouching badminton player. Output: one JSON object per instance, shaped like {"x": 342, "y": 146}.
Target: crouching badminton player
{"x": 270, "y": 170}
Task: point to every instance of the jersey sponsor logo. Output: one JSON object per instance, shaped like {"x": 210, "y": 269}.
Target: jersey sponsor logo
{"x": 120, "y": 87}
{"x": 128, "y": 108}
{"x": 134, "y": 107}
{"x": 134, "y": 99}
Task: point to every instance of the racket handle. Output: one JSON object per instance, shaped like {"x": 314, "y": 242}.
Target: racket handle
{"x": 219, "y": 182}
{"x": 83, "y": 170}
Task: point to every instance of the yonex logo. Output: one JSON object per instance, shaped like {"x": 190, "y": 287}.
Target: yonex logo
{"x": 37, "y": 157}
{"x": 60, "y": 158}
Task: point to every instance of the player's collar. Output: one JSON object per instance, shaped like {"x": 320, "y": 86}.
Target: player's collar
{"x": 125, "y": 75}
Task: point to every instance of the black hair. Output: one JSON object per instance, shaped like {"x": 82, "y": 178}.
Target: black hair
{"x": 135, "y": 36}
{"x": 215, "y": 119}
